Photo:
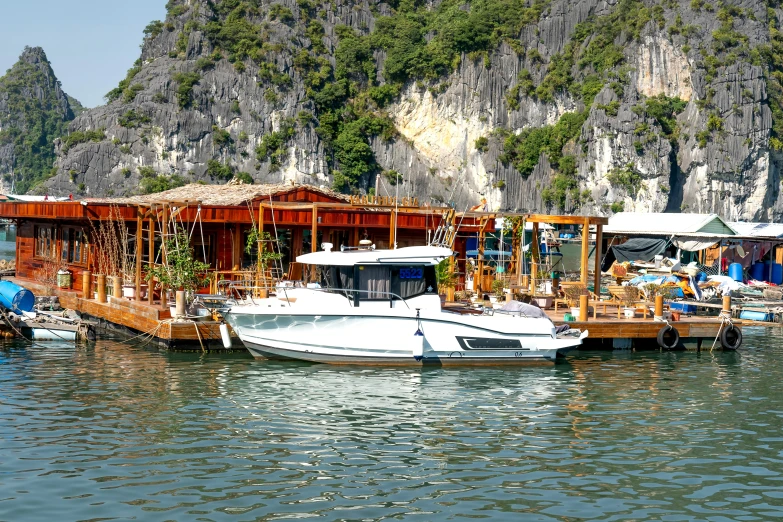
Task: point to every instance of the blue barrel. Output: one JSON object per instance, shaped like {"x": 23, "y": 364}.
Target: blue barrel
{"x": 735, "y": 271}
{"x": 15, "y": 298}
{"x": 757, "y": 271}
{"x": 777, "y": 274}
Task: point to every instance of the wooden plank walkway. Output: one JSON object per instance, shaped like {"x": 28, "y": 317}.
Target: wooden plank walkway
{"x": 139, "y": 317}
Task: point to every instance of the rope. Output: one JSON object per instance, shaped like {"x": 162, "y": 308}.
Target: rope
{"x": 725, "y": 317}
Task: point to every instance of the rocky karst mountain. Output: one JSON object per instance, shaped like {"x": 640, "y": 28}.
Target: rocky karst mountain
{"x": 34, "y": 111}
{"x": 578, "y": 105}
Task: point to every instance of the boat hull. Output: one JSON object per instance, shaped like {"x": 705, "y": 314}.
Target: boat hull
{"x": 374, "y": 339}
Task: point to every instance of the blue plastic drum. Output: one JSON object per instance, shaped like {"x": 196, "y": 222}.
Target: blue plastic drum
{"x": 777, "y": 274}
{"x": 15, "y": 298}
{"x": 735, "y": 271}
{"x": 757, "y": 271}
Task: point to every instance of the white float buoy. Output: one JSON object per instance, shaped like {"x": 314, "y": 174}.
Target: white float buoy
{"x": 225, "y": 335}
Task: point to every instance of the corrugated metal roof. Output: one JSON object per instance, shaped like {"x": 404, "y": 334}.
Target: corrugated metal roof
{"x": 774, "y": 230}
{"x": 665, "y": 223}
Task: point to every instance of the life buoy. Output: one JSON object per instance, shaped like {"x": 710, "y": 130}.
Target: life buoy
{"x": 731, "y": 337}
{"x": 668, "y": 337}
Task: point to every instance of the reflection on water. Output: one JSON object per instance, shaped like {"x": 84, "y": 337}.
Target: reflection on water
{"x": 145, "y": 435}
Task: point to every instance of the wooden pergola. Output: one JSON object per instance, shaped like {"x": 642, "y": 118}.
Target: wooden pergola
{"x": 585, "y": 222}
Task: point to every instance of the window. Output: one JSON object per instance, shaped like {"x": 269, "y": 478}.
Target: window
{"x": 374, "y": 282}
{"x": 74, "y": 246}
{"x": 45, "y": 242}
{"x": 377, "y": 282}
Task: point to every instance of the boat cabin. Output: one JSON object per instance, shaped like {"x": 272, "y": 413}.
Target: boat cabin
{"x": 380, "y": 276}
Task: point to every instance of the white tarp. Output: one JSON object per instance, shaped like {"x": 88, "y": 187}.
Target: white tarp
{"x": 692, "y": 245}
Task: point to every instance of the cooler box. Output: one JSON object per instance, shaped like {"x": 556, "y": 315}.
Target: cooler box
{"x": 683, "y": 307}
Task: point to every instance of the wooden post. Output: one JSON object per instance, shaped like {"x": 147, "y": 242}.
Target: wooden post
{"x": 314, "y": 230}
{"x": 314, "y": 239}
{"x": 150, "y": 257}
{"x": 450, "y": 290}
{"x": 599, "y": 239}
{"x": 480, "y": 261}
{"x": 139, "y": 251}
{"x": 237, "y": 253}
{"x": 101, "y": 288}
{"x": 585, "y": 251}
{"x": 658, "y": 306}
{"x": 164, "y": 232}
{"x": 583, "y": 307}
{"x": 179, "y": 303}
{"x": 534, "y": 259}
{"x": 116, "y": 286}
{"x": 260, "y": 238}
{"x": 516, "y": 249}
{"x": 392, "y": 228}
{"x": 727, "y": 305}
{"x": 87, "y": 284}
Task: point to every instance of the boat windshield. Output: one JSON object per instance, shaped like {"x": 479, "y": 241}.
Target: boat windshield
{"x": 374, "y": 282}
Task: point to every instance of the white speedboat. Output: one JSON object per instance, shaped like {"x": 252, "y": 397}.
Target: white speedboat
{"x": 382, "y": 307}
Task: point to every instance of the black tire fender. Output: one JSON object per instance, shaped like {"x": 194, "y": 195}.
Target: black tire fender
{"x": 731, "y": 337}
{"x": 668, "y": 337}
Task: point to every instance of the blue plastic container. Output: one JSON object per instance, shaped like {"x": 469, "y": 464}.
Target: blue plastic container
{"x": 735, "y": 271}
{"x": 753, "y": 315}
{"x": 757, "y": 271}
{"x": 682, "y": 307}
{"x": 777, "y": 274}
{"x": 15, "y": 298}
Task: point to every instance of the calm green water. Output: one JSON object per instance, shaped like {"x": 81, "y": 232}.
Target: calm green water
{"x": 115, "y": 432}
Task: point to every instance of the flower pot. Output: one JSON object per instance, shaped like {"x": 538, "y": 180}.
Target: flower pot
{"x": 544, "y": 301}
{"x": 493, "y": 299}
{"x": 129, "y": 291}
{"x": 629, "y": 313}
{"x": 575, "y": 311}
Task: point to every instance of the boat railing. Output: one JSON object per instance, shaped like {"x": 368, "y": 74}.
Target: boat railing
{"x": 247, "y": 290}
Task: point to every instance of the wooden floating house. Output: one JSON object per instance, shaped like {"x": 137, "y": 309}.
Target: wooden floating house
{"x": 65, "y": 235}
{"x": 54, "y": 235}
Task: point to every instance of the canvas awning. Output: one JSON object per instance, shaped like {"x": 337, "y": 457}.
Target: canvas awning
{"x": 636, "y": 249}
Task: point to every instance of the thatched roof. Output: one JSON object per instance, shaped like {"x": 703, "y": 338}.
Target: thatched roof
{"x": 231, "y": 194}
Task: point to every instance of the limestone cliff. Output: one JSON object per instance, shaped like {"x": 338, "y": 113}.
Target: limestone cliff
{"x": 34, "y": 111}
{"x": 580, "y": 105}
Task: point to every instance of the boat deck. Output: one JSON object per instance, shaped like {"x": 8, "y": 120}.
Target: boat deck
{"x": 606, "y": 327}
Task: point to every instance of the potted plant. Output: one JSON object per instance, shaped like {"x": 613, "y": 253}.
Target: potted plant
{"x": 629, "y": 296}
{"x": 181, "y": 270}
{"x": 498, "y": 291}
{"x": 446, "y": 279}
{"x": 572, "y": 295}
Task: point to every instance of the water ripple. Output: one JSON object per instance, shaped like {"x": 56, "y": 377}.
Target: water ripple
{"x": 124, "y": 433}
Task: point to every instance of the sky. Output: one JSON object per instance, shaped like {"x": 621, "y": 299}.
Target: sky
{"x": 90, "y": 43}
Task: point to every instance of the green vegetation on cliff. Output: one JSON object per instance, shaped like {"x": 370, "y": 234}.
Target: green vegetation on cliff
{"x": 33, "y": 113}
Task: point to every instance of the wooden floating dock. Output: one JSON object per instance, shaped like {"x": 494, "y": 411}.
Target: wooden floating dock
{"x": 642, "y": 332}
{"x": 135, "y": 318}
{"x": 154, "y": 324}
